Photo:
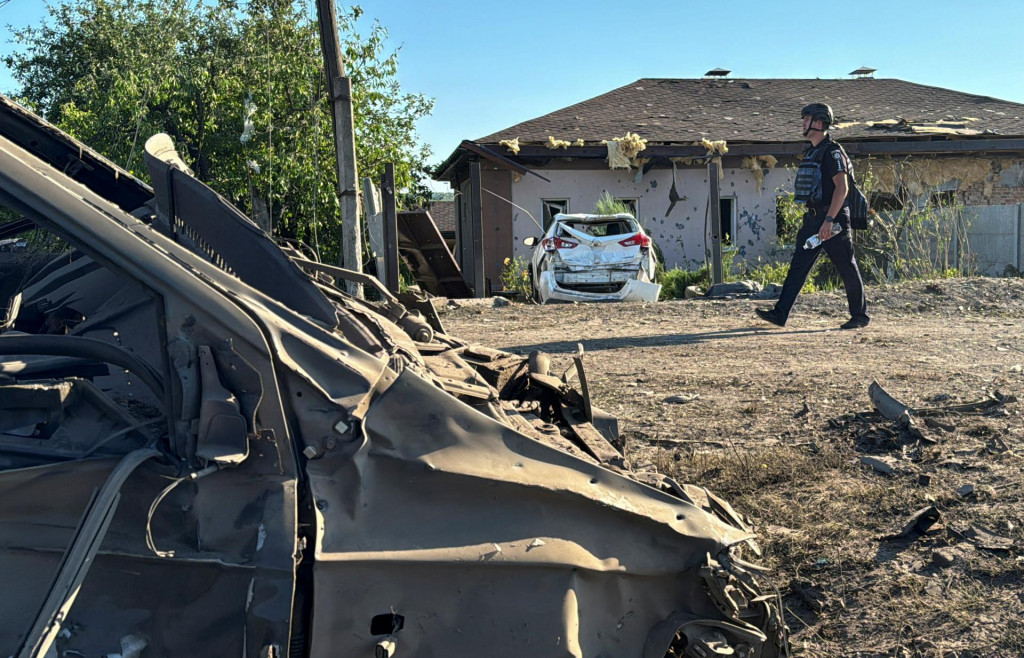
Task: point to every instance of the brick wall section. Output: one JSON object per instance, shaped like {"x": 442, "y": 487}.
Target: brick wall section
{"x": 1003, "y": 186}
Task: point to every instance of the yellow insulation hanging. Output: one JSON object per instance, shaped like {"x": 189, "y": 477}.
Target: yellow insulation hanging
{"x": 553, "y": 143}
{"x": 757, "y": 164}
{"x": 511, "y": 145}
{"x": 622, "y": 151}
{"x": 631, "y": 144}
{"x": 717, "y": 146}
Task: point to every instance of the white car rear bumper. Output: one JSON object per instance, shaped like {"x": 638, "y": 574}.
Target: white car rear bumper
{"x": 633, "y": 290}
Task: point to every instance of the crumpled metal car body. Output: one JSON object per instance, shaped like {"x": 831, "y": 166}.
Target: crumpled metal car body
{"x": 208, "y": 449}
{"x": 597, "y": 258}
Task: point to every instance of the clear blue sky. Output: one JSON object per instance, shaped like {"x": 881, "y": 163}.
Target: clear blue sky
{"x": 492, "y": 64}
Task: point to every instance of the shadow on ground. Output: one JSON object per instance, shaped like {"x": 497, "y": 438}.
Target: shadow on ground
{"x": 660, "y": 340}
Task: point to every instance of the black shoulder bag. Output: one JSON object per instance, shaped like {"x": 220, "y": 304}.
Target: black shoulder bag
{"x": 860, "y": 213}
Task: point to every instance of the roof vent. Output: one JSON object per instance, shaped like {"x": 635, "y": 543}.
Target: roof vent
{"x": 717, "y": 73}
{"x": 863, "y": 72}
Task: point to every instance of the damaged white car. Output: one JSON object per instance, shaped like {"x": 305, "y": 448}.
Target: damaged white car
{"x": 595, "y": 258}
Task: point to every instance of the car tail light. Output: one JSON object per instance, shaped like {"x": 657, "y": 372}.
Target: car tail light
{"x": 550, "y": 244}
{"x": 639, "y": 239}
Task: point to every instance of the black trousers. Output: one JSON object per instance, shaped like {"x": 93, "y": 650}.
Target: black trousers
{"x": 840, "y": 250}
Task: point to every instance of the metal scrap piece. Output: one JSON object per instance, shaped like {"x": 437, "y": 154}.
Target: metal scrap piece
{"x": 984, "y": 538}
{"x": 592, "y": 441}
{"x": 887, "y": 405}
{"x": 920, "y": 522}
{"x": 79, "y": 555}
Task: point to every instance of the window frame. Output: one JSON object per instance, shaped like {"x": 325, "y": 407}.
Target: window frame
{"x": 548, "y": 219}
{"x": 733, "y": 228}
{"x": 631, "y": 203}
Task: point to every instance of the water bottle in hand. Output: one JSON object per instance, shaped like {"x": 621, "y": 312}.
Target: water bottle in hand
{"x": 814, "y": 241}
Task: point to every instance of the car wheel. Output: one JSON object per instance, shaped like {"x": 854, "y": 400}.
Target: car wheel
{"x": 534, "y": 292}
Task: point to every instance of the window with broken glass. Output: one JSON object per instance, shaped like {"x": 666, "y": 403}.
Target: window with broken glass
{"x": 552, "y": 207}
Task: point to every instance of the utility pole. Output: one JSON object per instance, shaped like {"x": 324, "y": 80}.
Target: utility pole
{"x": 716, "y": 223}
{"x": 339, "y": 86}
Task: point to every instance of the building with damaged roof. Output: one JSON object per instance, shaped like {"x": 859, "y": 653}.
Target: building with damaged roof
{"x": 647, "y": 143}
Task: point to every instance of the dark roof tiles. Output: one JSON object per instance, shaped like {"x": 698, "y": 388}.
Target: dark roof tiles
{"x": 443, "y": 214}
{"x": 768, "y": 110}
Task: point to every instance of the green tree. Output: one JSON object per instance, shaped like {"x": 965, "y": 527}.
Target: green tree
{"x": 240, "y": 88}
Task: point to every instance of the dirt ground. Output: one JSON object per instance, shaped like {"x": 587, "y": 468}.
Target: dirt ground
{"x": 780, "y": 423}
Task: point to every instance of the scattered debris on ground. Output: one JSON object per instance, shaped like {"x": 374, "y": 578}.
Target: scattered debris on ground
{"x": 869, "y": 563}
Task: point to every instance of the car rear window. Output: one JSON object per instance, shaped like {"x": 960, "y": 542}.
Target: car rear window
{"x": 602, "y": 229}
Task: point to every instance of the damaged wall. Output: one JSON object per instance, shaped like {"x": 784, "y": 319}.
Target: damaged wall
{"x": 981, "y": 181}
{"x": 990, "y": 188}
{"x": 755, "y": 184}
{"x": 680, "y": 234}
{"x": 1003, "y": 184}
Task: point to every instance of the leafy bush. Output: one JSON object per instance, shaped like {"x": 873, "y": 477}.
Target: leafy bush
{"x": 254, "y": 122}
{"x": 765, "y": 273}
{"x": 674, "y": 282}
{"x": 515, "y": 276}
{"x": 776, "y": 272}
{"x": 788, "y": 218}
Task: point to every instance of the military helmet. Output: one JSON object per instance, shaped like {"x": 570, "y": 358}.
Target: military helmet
{"x": 819, "y": 111}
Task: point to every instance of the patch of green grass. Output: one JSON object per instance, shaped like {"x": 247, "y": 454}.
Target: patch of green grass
{"x": 674, "y": 282}
{"x": 608, "y": 205}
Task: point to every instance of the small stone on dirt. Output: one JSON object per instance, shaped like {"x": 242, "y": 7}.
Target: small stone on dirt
{"x": 943, "y": 557}
{"x": 965, "y": 490}
{"x": 681, "y": 399}
{"x": 810, "y": 593}
{"x": 879, "y": 464}
{"x": 771, "y": 291}
{"x": 781, "y": 531}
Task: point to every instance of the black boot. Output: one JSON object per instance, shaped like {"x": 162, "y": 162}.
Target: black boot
{"x": 855, "y": 323}
{"x": 770, "y": 316}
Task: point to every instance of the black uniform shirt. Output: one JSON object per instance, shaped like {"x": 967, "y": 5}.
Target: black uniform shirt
{"x": 832, "y": 163}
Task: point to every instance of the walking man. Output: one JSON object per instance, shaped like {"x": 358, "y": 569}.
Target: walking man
{"x": 822, "y": 186}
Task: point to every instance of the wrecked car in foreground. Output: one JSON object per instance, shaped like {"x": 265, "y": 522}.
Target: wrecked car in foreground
{"x": 208, "y": 449}
{"x": 596, "y": 258}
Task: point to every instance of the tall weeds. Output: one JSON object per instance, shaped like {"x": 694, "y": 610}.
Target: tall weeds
{"x": 916, "y": 235}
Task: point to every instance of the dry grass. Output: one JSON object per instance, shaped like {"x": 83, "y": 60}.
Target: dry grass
{"x": 820, "y": 517}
